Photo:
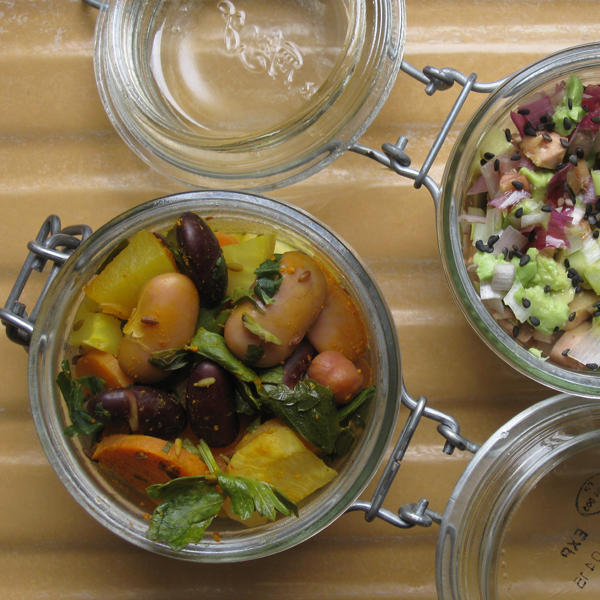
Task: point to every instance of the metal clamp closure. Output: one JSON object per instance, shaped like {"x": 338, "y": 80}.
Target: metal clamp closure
{"x": 419, "y": 513}
{"x": 51, "y": 244}
{"x": 394, "y": 156}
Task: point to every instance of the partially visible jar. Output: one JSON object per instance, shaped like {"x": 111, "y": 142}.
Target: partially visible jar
{"x": 541, "y": 77}
{"x": 244, "y": 94}
{"x": 126, "y": 514}
{"x": 522, "y": 521}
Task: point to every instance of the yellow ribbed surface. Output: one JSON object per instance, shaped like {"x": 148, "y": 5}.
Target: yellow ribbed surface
{"x": 59, "y": 154}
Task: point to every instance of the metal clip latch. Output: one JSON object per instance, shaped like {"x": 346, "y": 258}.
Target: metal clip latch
{"x": 412, "y": 514}
{"x": 51, "y": 244}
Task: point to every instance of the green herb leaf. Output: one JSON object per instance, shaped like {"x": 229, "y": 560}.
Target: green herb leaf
{"x": 220, "y": 268}
{"x": 346, "y": 412}
{"x": 309, "y": 409}
{"x": 189, "y": 504}
{"x": 240, "y": 294}
{"x": 212, "y": 345}
{"x": 246, "y": 402}
{"x": 254, "y": 353}
{"x": 268, "y": 280}
{"x": 213, "y": 319}
{"x": 248, "y": 495}
{"x": 253, "y": 326}
{"x": 170, "y": 360}
{"x": 73, "y": 393}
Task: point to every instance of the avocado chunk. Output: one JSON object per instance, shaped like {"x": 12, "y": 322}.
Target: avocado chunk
{"x": 548, "y": 311}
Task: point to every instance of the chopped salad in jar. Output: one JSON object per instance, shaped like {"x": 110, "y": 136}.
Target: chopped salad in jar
{"x": 220, "y": 374}
{"x": 531, "y": 224}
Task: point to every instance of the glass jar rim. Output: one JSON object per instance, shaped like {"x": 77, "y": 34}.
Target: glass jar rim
{"x": 319, "y": 135}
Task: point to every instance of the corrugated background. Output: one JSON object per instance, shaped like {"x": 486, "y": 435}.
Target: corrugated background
{"x": 59, "y": 154}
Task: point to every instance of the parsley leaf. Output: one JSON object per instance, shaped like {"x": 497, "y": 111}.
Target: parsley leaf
{"x": 212, "y": 345}
{"x": 169, "y": 360}
{"x": 189, "y": 504}
{"x": 309, "y": 409}
{"x": 73, "y": 393}
{"x": 268, "y": 280}
{"x": 253, "y": 326}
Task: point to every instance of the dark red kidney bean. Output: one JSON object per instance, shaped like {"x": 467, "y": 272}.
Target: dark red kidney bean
{"x": 210, "y": 404}
{"x": 297, "y": 364}
{"x": 202, "y": 255}
{"x": 146, "y": 410}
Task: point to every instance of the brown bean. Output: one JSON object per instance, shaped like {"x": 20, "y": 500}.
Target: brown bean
{"x": 339, "y": 326}
{"x": 297, "y": 305}
{"x": 210, "y": 404}
{"x": 164, "y": 319}
{"x": 335, "y": 371}
{"x": 147, "y": 411}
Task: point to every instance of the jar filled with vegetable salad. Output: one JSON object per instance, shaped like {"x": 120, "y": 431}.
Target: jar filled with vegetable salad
{"x": 216, "y": 376}
{"x": 519, "y": 230}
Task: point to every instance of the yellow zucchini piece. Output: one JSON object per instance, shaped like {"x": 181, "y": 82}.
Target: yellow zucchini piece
{"x": 117, "y": 287}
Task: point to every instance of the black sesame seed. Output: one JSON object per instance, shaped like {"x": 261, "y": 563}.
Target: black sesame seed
{"x": 566, "y": 186}
{"x": 588, "y": 209}
{"x": 489, "y": 155}
{"x": 519, "y": 213}
{"x": 547, "y": 137}
{"x": 566, "y": 352}
{"x": 570, "y": 103}
{"x": 482, "y": 162}
{"x": 587, "y": 110}
{"x": 547, "y": 289}
{"x": 529, "y": 130}
{"x": 544, "y": 118}
{"x": 496, "y": 164}
{"x": 480, "y": 246}
{"x": 556, "y": 329}
{"x": 578, "y": 289}
{"x": 572, "y": 316}
{"x": 534, "y": 321}
{"x": 526, "y": 303}
{"x": 524, "y": 260}
{"x": 493, "y": 239}
{"x": 517, "y": 254}
{"x": 540, "y": 127}
{"x": 507, "y": 135}
{"x": 567, "y": 263}
{"x": 591, "y": 366}
{"x": 515, "y": 331}
{"x": 547, "y": 208}
{"x": 488, "y": 249}
{"x": 573, "y": 160}
{"x": 596, "y": 313}
{"x": 515, "y": 247}
{"x": 560, "y": 167}
{"x": 505, "y": 252}
{"x": 595, "y": 119}
{"x": 518, "y": 185}
{"x": 567, "y": 123}
{"x": 596, "y": 234}
{"x": 532, "y": 236}
{"x": 596, "y": 304}
{"x": 572, "y": 196}
{"x": 515, "y": 157}
{"x": 579, "y": 152}
{"x": 523, "y": 111}
{"x": 564, "y": 142}
{"x": 551, "y": 126}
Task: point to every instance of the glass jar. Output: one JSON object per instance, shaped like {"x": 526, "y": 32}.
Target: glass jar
{"x": 522, "y": 522}
{"x": 245, "y": 94}
{"x": 126, "y": 515}
{"x": 541, "y": 76}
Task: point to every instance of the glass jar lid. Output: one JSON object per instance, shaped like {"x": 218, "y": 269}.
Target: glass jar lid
{"x": 523, "y": 520}
{"x": 244, "y": 94}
